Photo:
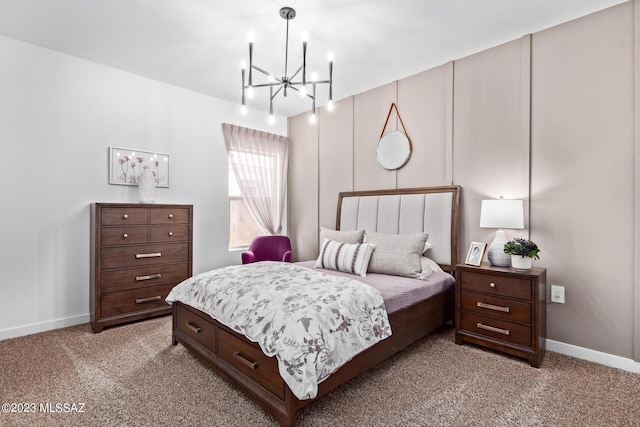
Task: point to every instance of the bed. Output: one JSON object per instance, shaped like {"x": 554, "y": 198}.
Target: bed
{"x": 430, "y": 210}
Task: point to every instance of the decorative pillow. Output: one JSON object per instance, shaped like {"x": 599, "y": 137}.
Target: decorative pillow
{"x": 356, "y": 236}
{"x": 428, "y": 266}
{"x": 397, "y": 254}
{"x": 345, "y": 257}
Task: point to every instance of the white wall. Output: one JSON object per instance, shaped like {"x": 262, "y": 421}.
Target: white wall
{"x": 58, "y": 116}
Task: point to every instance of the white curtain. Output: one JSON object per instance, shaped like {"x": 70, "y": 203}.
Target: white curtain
{"x": 260, "y": 161}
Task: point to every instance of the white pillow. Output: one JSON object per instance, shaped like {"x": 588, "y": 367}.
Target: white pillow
{"x": 397, "y": 254}
{"x": 428, "y": 267}
{"x": 355, "y": 236}
{"x": 345, "y": 257}
{"x": 427, "y": 246}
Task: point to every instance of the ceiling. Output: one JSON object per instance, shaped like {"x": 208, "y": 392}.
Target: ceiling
{"x": 199, "y": 44}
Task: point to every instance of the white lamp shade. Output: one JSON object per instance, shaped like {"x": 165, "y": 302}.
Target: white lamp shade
{"x": 502, "y": 213}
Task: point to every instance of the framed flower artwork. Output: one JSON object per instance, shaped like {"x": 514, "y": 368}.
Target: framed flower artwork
{"x": 126, "y": 164}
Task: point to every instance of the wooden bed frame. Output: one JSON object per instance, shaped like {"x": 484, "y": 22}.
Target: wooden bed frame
{"x": 242, "y": 362}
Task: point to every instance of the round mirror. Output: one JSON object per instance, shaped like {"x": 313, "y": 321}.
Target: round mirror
{"x": 394, "y": 150}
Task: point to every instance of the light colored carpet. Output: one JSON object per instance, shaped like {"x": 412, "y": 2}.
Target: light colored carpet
{"x": 132, "y": 376}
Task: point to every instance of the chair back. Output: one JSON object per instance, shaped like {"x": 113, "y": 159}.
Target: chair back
{"x": 270, "y": 248}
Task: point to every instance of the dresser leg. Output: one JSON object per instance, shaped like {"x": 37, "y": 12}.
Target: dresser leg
{"x": 97, "y": 327}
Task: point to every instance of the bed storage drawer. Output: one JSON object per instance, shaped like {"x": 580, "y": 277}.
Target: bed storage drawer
{"x": 136, "y": 300}
{"x": 251, "y": 361}
{"x": 201, "y": 330}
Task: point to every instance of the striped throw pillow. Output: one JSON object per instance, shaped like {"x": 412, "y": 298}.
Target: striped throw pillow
{"x": 345, "y": 257}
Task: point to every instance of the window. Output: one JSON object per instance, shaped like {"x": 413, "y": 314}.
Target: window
{"x": 242, "y": 226}
{"x": 258, "y": 163}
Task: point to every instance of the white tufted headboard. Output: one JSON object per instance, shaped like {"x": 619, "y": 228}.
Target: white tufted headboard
{"x": 432, "y": 210}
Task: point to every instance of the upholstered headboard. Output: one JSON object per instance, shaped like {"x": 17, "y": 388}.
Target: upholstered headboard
{"x": 432, "y": 210}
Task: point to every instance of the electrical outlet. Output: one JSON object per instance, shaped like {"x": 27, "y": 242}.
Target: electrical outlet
{"x": 557, "y": 294}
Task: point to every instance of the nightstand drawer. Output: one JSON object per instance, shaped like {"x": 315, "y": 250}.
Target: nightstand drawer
{"x": 502, "y": 308}
{"x": 506, "y": 286}
{"x": 498, "y": 329}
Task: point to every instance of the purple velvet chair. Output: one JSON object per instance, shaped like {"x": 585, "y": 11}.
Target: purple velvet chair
{"x": 268, "y": 248}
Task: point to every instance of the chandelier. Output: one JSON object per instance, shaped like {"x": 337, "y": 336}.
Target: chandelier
{"x": 276, "y": 84}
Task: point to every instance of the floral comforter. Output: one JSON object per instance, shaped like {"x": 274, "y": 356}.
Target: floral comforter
{"x": 313, "y": 323}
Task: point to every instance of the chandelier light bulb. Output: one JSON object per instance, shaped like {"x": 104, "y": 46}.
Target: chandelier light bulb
{"x": 243, "y": 64}
{"x": 272, "y": 119}
{"x": 250, "y": 92}
{"x": 243, "y": 110}
{"x": 303, "y": 91}
{"x": 271, "y": 78}
{"x": 330, "y": 56}
{"x": 312, "y": 119}
{"x": 251, "y": 37}
{"x": 314, "y": 77}
{"x": 304, "y": 36}
{"x": 330, "y": 105}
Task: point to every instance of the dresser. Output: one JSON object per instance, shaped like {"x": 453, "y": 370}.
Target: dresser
{"x": 502, "y": 309}
{"x": 139, "y": 252}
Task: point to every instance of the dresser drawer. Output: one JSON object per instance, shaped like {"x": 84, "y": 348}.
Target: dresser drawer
{"x": 124, "y": 216}
{"x": 502, "y": 308}
{"x": 507, "y": 286}
{"x": 498, "y": 329}
{"x": 251, "y": 361}
{"x": 112, "y": 236}
{"x": 168, "y": 233}
{"x": 136, "y": 256}
{"x": 153, "y": 275}
{"x": 197, "y": 328}
{"x": 134, "y": 300}
{"x": 169, "y": 216}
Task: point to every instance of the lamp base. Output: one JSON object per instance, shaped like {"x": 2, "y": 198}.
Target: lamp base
{"x": 495, "y": 252}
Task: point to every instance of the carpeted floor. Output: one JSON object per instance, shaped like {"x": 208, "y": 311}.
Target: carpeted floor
{"x": 132, "y": 376}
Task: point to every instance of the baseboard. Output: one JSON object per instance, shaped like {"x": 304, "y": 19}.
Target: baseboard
{"x": 594, "y": 356}
{"x": 34, "y": 328}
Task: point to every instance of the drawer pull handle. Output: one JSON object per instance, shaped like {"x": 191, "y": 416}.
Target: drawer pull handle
{"x": 125, "y": 235}
{"x": 153, "y": 255}
{"x": 170, "y": 216}
{"x": 252, "y": 365}
{"x": 125, "y": 216}
{"x": 150, "y": 299}
{"x": 171, "y": 233}
{"x": 493, "y": 307}
{"x": 493, "y": 329}
{"x": 153, "y": 276}
{"x": 193, "y": 327}
{"x": 493, "y": 285}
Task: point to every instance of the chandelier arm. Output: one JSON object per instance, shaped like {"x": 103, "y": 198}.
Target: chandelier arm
{"x": 296, "y": 73}
{"x": 266, "y": 85}
{"x": 291, "y": 86}
{"x": 286, "y": 49}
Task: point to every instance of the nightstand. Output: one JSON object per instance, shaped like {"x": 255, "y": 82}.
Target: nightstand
{"x": 502, "y": 309}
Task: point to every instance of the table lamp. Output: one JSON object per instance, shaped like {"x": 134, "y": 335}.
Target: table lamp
{"x": 501, "y": 213}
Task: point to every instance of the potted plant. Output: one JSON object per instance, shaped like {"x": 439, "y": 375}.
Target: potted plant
{"x": 522, "y": 252}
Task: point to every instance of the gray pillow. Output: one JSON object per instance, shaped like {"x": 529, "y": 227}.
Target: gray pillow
{"x": 397, "y": 254}
{"x": 351, "y": 237}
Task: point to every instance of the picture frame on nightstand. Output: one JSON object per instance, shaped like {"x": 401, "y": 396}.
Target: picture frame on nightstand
{"x": 475, "y": 255}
